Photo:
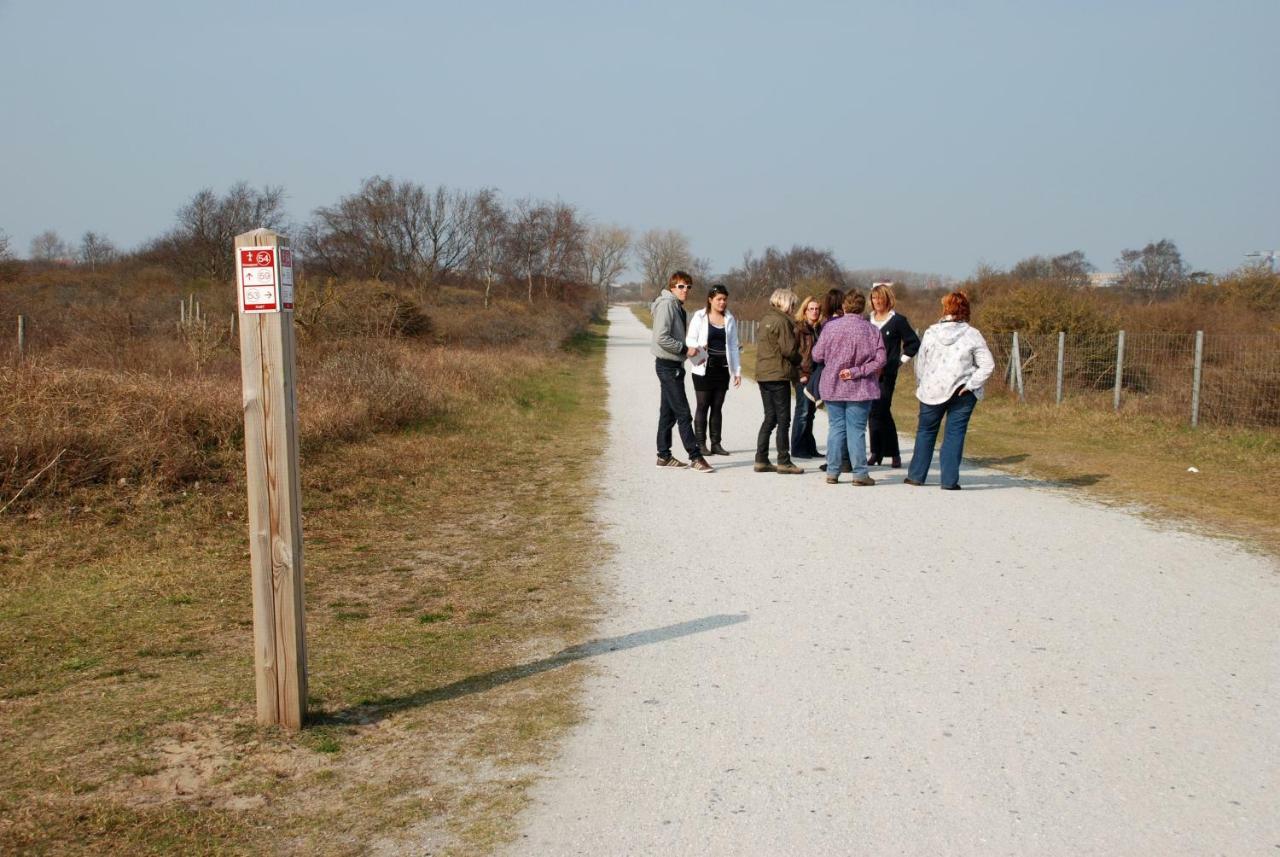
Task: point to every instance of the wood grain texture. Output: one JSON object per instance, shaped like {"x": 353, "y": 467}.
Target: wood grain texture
{"x": 275, "y": 519}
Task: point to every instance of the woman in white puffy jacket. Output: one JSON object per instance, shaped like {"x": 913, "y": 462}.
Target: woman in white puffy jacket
{"x": 714, "y": 332}
{"x": 952, "y": 365}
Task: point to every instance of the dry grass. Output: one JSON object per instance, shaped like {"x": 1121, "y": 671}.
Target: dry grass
{"x": 449, "y": 549}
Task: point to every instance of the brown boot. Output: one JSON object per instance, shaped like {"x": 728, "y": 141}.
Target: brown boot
{"x": 764, "y": 467}
{"x": 785, "y": 465}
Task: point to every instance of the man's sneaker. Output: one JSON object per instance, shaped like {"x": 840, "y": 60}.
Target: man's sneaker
{"x": 788, "y": 467}
{"x": 764, "y": 467}
{"x": 700, "y": 465}
{"x": 863, "y": 480}
{"x": 670, "y": 461}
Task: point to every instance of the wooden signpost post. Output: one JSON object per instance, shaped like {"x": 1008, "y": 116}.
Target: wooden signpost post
{"x": 264, "y": 286}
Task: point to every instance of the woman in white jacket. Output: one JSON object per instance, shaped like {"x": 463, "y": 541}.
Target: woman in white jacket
{"x": 714, "y": 332}
{"x": 952, "y": 365}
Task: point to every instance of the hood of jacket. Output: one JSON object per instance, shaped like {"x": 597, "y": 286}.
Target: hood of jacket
{"x": 950, "y": 332}
{"x": 666, "y": 295}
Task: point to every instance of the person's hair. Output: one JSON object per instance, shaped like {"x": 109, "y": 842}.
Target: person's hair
{"x": 956, "y": 305}
{"x": 679, "y": 277}
{"x": 717, "y": 289}
{"x": 783, "y": 300}
{"x": 884, "y": 291}
{"x": 804, "y": 305}
{"x": 831, "y": 305}
{"x": 854, "y": 303}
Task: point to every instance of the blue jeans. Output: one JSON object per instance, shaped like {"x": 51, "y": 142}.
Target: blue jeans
{"x": 957, "y": 410}
{"x": 803, "y": 444}
{"x": 674, "y": 409}
{"x": 846, "y": 428}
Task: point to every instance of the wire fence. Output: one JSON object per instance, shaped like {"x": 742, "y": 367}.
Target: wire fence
{"x": 1198, "y": 378}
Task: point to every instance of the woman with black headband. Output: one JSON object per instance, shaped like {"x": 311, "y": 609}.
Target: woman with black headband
{"x": 714, "y": 332}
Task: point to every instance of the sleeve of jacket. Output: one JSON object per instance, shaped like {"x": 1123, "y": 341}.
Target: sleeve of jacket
{"x": 983, "y": 360}
{"x": 787, "y": 343}
{"x": 910, "y": 341}
{"x": 662, "y": 318}
{"x": 872, "y": 358}
{"x": 923, "y": 356}
{"x": 806, "y": 354}
{"x": 819, "y": 352}
{"x": 696, "y": 336}
{"x": 731, "y": 345}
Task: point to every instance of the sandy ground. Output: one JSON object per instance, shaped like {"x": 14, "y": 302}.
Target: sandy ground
{"x": 790, "y": 667}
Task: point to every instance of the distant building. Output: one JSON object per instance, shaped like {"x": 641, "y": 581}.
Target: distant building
{"x": 1103, "y": 281}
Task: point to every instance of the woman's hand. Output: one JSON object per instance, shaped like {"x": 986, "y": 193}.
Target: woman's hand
{"x": 804, "y": 379}
{"x": 737, "y": 380}
{"x": 846, "y": 374}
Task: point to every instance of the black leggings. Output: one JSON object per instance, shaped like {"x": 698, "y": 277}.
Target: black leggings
{"x": 708, "y": 414}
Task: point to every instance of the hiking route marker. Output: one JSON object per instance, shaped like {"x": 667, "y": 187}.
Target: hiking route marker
{"x": 264, "y": 282}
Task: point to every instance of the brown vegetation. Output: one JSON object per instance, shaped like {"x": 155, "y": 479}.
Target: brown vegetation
{"x": 114, "y": 387}
{"x": 444, "y": 574}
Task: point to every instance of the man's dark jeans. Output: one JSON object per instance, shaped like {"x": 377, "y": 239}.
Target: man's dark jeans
{"x": 674, "y": 409}
{"x": 776, "y": 396}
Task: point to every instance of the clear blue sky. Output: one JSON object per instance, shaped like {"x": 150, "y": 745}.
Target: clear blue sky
{"x": 919, "y": 135}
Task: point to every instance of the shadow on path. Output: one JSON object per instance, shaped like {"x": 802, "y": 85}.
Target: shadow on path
{"x": 374, "y": 710}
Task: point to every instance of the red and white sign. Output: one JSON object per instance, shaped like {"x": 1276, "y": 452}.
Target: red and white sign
{"x": 256, "y": 273}
{"x": 286, "y": 278}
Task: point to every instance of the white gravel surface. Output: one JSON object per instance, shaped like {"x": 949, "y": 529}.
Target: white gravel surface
{"x": 811, "y": 669}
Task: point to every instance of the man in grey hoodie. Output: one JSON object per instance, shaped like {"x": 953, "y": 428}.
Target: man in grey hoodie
{"x": 670, "y": 352}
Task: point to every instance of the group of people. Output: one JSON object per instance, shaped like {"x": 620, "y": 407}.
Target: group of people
{"x": 828, "y": 355}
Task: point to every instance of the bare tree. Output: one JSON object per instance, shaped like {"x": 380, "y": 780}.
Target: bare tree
{"x": 1068, "y": 269}
{"x": 662, "y": 252}
{"x": 47, "y": 248}
{"x": 526, "y": 249}
{"x": 488, "y": 228}
{"x": 1155, "y": 268}
{"x": 604, "y": 257}
{"x": 201, "y": 243}
{"x": 801, "y": 267}
{"x": 96, "y": 250}
{"x": 391, "y": 230}
{"x": 6, "y": 254}
{"x": 562, "y": 237}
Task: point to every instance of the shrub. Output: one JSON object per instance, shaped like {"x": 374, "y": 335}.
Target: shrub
{"x": 1042, "y": 308}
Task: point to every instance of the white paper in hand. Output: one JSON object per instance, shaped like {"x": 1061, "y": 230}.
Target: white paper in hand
{"x": 699, "y": 358}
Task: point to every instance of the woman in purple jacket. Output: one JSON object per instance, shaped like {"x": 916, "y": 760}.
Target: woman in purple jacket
{"x": 852, "y": 352}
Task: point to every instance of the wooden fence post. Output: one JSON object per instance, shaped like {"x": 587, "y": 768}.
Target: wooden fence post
{"x": 1195, "y": 379}
{"x": 22, "y": 337}
{"x": 1119, "y": 367}
{"x": 1062, "y": 353}
{"x": 1015, "y": 368}
{"x": 264, "y": 279}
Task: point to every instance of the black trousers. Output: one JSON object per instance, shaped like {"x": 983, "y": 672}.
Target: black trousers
{"x": 674, "y": 409}
{"x": 884, "y": 431}
{"x": 776, "y": 397}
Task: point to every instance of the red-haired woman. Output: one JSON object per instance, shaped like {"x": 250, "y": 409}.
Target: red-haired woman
{"x": 952, "y": 365}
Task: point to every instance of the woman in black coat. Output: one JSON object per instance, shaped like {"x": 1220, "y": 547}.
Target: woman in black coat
{"x": 900, "y": 345}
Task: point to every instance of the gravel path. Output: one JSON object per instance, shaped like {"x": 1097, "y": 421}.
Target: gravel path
{"x": 799, "y": 668}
